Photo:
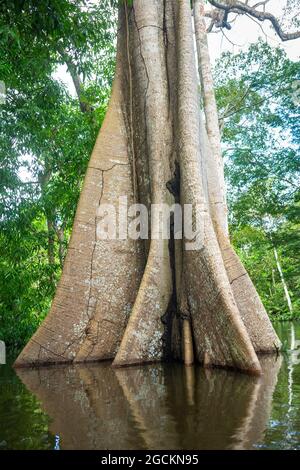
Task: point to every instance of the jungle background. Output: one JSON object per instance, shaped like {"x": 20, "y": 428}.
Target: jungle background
{"x": 47, "y": 134}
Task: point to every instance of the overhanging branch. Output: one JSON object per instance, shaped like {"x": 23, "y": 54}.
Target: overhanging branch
{"x": 243, "y": 8}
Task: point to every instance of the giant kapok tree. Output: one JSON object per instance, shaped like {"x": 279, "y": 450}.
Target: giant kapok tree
{"x": 137, "y": 301}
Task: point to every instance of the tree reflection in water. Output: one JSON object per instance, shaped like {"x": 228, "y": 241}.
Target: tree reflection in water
{"x": 161, "y": 406}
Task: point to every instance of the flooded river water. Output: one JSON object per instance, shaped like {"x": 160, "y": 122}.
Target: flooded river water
{"x": 161, "y": 406}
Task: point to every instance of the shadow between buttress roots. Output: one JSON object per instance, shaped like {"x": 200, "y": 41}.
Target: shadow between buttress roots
{"x": 159, "y": 406}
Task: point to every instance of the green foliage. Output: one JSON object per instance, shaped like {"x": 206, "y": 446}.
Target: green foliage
{"x": 23, "y": 425}
{"x": 260, "y": 112}
{"x": 46, "y": 137}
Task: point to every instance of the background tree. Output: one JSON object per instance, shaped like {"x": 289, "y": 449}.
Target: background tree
{"x": 259, "y": 112}
{"x": 46, "y": 137}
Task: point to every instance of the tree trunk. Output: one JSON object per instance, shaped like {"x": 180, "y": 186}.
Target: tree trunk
{"x": 51, "y": 246}
{"x": 44, "y": 178}
{"x": 60, "y": 234}
{"x": 138, "y": 301}
{"x": 284, "y": 284}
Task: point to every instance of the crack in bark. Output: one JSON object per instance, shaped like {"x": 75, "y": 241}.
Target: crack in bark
{"x": 238, "y": 277}
{"x": 73, "y": 342}
{"x": 108, "y": 169}
{"x": 46, "y": 349}
{"x": 90, "y": 317}
{"x": 150, "y": 26}
{"x": 93, "y": 341}
{"x": 94, "y": 248}
{"x": 46, "y": 328}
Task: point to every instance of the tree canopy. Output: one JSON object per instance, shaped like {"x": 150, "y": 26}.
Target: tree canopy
{"x": 259, "y": 113}
{"x": 46, "y": 137}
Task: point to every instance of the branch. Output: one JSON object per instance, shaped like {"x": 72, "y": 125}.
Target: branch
{"x": 239, "y": 7}
{"x": 210, "y": 27}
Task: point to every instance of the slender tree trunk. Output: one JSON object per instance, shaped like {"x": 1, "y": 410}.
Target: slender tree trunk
{"x": 138, "y": 302}
{"x": 284, "y": 284}
{"x": 60, "y": 234}
{"x": 273, "y": 279}
{"x": 51, "y": 243}
{"x": 44, "y": 178}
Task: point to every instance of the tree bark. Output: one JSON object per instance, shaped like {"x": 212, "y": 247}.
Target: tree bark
{"x": 142, "y": 338}
{"x": 252, "y": 311}
{"x": 135, "y": 301}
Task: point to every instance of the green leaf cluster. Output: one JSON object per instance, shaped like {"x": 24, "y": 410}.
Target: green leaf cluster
{"x": 259, "y": 114}
{"x": 46, "y": 138}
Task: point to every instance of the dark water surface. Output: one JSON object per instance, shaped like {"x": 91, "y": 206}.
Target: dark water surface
{"x": 154, "y": 407}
